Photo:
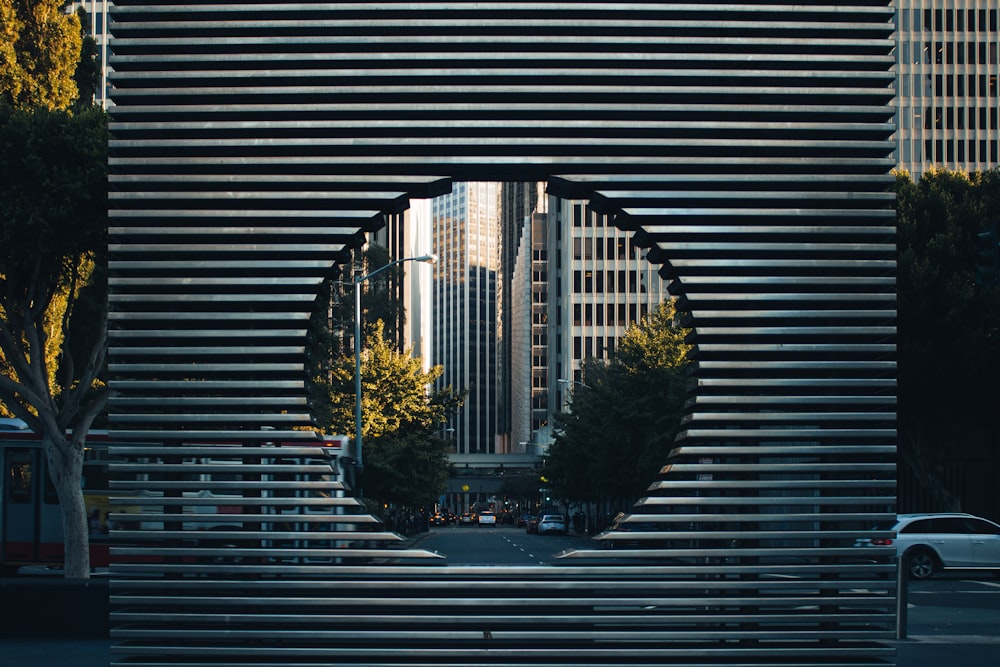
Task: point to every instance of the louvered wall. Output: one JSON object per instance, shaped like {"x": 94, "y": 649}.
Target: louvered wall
{"x": 747, "y": 144}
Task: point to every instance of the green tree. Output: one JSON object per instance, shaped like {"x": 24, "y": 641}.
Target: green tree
{"x": 405, "y": 461}
{"x": 949, "y": 327}
{"x": 624, "y": 416}
{"x": 331, "y": 328}
{"x": 40, "y": 54}
{"x": 53, "y": 217}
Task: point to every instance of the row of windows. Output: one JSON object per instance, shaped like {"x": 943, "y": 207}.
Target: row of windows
{"x": 604, "y": 282}
{"x": 957, "y": 151}
{"x": 953, "y": 53}
{"x": 590, "y": 219}
{"x": 588, "y": 347}
{"x": 608, "y": 248}
{"x": 967, "y": 20}
{"x": 979, "y": 85}
{"x": 942, "y": 118}
{"x": 607, "y": 314}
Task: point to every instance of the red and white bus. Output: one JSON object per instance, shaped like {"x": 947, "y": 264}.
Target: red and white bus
{"x": 30, "y": 517}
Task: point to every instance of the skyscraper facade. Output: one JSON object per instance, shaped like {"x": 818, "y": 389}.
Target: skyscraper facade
{"x": 528, "y": 325}
{"x": 518, "y": 201}
{"x": 465, "y": 236}
{"x": 578, "y": 283}
{"x": 599, "y": 283}
{"x": 947, "y": 63}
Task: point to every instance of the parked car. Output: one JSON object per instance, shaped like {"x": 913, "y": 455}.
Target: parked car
{"x": 487, "y": 518}
{"x": 532, "y": 525}
{"x": 551, "y": 523}
{"x": 524, "y": 520}
{"x": 935, "y": 542}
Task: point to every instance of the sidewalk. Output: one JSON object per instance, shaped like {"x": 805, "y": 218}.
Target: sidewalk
{"x": 55, "y": 652}
{"x": 942, "y": 651}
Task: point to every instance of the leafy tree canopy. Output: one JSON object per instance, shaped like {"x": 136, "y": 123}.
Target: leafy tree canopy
{"x": 39, "y": 54}
{"x": 405, "y": 460}
{"x": 625, "y": 416}
{"x": 53, "y": 213}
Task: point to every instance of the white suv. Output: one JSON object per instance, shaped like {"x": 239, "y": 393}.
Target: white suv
{"x": 934, "y": 542}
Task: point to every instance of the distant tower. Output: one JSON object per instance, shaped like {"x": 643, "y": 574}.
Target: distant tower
{"x": 466, "y": 240}
{"x": 527, "y": 321}
{"x": 947, "y": 63}
{"x": 518, "y": 202}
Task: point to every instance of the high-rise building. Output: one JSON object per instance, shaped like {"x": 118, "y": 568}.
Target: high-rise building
{"x": 599, "y": 283}
{"x": 578, "y": 283}
{"x": 518, "y": 201}
{"x": 465, "y": 234}
{"x": 946, "y": 76}
{"x": 527, "y": 321}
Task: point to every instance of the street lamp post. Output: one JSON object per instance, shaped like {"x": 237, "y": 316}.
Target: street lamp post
{"x": 566, "y": 383}
{"x": 430, "y": 259}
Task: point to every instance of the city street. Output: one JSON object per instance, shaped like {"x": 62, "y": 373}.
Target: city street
{"x": 499, "y": 545}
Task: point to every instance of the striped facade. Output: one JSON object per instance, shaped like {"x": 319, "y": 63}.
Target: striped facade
{"x": 747, "y": 145}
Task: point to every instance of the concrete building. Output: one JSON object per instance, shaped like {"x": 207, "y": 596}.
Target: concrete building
{"x": 518, "y": 201}
{"x": 599, "y": 283}
{"x": 947, "y": 66}
{"x": 528, "y": 325}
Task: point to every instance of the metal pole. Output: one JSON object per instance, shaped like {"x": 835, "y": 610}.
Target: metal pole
{"x": 358, "y": 279}
{"x": 902, "y": 593}
{"x": 357, "y": 369}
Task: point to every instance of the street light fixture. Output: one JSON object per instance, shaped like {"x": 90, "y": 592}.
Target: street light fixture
{"x": 565, "y": 382}
{"x": 429, "y": 259}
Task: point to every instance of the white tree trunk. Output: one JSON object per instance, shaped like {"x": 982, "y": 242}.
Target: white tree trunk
{"x": 66, "y": 467}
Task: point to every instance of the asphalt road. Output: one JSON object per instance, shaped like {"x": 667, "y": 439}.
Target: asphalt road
{"x": 501, "y": 545}
{"x": 953, "y": 621}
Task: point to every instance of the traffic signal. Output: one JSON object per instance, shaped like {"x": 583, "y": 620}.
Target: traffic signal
{"x": 987, "y": 257}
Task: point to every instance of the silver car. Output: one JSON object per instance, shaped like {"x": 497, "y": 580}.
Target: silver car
{"x": 552, "y": 523}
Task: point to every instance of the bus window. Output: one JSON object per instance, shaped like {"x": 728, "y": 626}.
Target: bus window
{"x": 19, "y": 476}
{"x": 49, "y": 495}
{"x": 95, "y": 476}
